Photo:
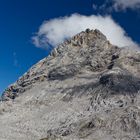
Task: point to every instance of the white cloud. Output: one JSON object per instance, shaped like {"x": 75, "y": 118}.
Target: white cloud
{"x": 55, "y": 31}
{"x": 15, "y": 59}
{"x": 125, "y": 4}
{"x": 120, "y": 5}
{"x": 94, "y": 6}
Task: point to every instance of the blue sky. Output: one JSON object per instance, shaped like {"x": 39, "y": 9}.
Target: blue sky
{"x": 21, "y": 19}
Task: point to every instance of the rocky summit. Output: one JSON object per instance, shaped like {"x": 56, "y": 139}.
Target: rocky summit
{"x": 86, "y": 89}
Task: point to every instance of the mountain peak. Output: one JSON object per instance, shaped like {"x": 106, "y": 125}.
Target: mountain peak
{"x": 85, "y": 38}
{"x": 71, "y": 93}
{"x": 87, "y": 51}
{"x": 94, "y": 33}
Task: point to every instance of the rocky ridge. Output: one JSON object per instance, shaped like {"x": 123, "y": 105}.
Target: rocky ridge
{"x": 86, "y": 88}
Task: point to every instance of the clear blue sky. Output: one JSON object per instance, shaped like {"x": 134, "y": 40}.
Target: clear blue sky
{"x": 20, "y": 19}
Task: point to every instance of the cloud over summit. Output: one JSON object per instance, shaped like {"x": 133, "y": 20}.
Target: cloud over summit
{"x": 55, "y": 31}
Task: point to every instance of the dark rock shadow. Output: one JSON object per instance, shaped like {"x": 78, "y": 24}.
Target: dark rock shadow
{"x": 106, "y": 85}
{"x": 62, "y": 73}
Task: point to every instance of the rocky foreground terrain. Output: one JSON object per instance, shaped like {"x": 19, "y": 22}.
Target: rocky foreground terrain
{"x": 86, "y": 89}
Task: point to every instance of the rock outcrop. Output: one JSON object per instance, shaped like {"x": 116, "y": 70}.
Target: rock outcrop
{"x": 86, "y": 89}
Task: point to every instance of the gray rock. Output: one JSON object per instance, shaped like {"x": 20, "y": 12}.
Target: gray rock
{"x": 85, "y": 89}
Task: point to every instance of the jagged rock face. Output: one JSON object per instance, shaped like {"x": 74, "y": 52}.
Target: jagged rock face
{"x": 88, "y": 50}
{"x": 86, "y": 89}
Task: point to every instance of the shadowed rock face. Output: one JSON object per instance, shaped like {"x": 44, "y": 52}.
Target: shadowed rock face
{"x": 86, "y": 88}
{"x": 121, "y": 84}
{"x": 62, "y": 73}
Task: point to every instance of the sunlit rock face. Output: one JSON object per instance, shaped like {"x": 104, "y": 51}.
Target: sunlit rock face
{"x": 86, "y": 89}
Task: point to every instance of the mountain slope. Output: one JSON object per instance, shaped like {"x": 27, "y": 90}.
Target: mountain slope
{"x": 86, "y": 89}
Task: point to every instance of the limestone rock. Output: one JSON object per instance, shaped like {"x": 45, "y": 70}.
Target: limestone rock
{"x": 85, "y": 89}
